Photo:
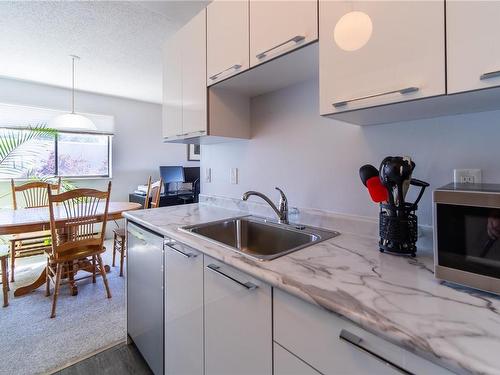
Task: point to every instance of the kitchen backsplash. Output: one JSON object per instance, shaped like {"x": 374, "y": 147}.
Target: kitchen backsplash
{"x": 316, "y": 160}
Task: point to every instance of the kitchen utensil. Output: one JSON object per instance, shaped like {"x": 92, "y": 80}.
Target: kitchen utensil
{"x": 394, "y": 171}
{"x": 406, "y": 183}
{"x": 370, "y": 178}
{"x": 384, "y": 173}
{"x": 366, "y": 172}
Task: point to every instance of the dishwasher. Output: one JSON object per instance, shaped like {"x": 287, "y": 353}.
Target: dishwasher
{"x": 145, "y": 280}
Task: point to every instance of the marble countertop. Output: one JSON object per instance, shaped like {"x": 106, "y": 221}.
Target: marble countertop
{"x": 395, "y": 297}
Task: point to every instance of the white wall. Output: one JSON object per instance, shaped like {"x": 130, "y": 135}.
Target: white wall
{"x": 137, "y": 145}
{"x": 316, "y": 160}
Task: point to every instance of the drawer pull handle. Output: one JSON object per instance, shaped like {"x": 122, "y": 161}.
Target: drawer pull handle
{"x": 248, "y": 285}
{"x": 136, "y": 235}
{"x": 172, "y": 244}
{"x": 357, "y": 341}
{"x": 402, "y": 91}
{"x": 235, "y": 67}
{"x": 295, "y": 39}
{"x": 489, "y": 75}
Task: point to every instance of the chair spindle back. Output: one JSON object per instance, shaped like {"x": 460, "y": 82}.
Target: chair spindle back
{"x": 78, "y": 218}
{"x": 156, "y": 194}
{"x": 34, "y": 194}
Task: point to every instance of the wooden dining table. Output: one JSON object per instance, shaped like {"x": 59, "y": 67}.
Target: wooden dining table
{"x": 38, "y": 219}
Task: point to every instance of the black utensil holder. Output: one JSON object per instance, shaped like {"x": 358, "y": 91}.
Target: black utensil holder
{"x": 398, "y": 226}
{"x": 398, "y": 229}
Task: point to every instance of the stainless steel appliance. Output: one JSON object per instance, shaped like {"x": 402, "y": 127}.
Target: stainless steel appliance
{"x": 145, "y": 280}
{"x": 466, "y": 235}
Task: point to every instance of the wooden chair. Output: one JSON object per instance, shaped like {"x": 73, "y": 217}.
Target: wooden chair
{"x": 120, "y": 235}
{"x": 77, "y": 240}
{"x": 30, "y": 195}
{"x": 4, "y": 255}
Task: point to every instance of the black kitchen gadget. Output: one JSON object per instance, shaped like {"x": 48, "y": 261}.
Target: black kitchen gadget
{"x": 398, "y": 224}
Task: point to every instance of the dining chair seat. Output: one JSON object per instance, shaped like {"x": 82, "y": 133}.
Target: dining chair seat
{"x": 77, "y": 253}
{"x": 28, "y": 236}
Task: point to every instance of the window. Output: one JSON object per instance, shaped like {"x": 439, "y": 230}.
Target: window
{"x": 64, "y": 154}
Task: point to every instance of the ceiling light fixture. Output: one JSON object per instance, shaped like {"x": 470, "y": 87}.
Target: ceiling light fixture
{"x": 72, "y": 121}
{"x": 353, "y": 31}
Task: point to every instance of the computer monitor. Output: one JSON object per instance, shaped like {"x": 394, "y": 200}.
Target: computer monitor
{"x": 191, "y": 174}
{"x": 171, "y": 174}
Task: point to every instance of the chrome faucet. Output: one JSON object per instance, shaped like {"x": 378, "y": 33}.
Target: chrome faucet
{"x": 282, "y": 211}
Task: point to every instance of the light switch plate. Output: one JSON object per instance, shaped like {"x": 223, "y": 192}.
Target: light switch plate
{"x": 467, "y": 176}
{"x": 208, "y": 175}
{"x": 233, "y": 178}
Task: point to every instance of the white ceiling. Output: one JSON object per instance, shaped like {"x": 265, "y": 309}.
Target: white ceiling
{"x": 119, "y": 43}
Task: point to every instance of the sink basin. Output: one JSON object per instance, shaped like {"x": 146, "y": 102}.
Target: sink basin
{"x": 259, "y": 238}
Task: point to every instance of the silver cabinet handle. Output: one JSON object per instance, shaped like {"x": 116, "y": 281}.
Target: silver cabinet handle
{"x": 136, "y": 234}
{"x": 172, "y": 245}
{"x": 489, "y": 75}
{"x": 235, "y": 67}
{"x": 402, "y": 91}
{"x": 357, "y": 341}
{"x": 248, "y": 285}
{"x": 295, "y": 39}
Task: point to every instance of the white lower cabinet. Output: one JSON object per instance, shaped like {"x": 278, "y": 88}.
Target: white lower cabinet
{"x": 333, "y": 345}
{"x": 220, "y": 320}
{"x": 183, "y": 310}
{"x": 238, "y": 322}
{"x": 286, "y": 363}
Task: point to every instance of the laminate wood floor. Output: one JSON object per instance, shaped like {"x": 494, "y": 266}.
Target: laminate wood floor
{"x": 121, "y": 360}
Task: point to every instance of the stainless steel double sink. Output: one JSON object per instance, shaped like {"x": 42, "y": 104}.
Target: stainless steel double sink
{"x": 259, "y": 238}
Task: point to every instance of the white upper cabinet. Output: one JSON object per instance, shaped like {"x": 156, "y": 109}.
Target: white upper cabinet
{"x": 172, "y": 88}
{"x": 279, "y": 26}
{"x": 194, "y": 73}
{"x": 375, "y": 53}
{"x": 473, "y": 49}
{"x": 227, "y": 39}
{"x": 184, "y": 81}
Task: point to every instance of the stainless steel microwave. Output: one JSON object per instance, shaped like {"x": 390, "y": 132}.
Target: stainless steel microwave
{"x": 467, "y": 235}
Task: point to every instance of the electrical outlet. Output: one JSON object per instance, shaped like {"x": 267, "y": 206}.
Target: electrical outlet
{"x": 233, "y": 178}
{"x": 467, "y": 176}
{"x": 208, "y": 175}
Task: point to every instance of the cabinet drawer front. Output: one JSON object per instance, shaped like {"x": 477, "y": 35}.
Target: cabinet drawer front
{"x": 285, "y": 363}
{"x": 279, "y": 26}
{"x": 183, "y": 310}
{"x": 227, "y": 39}
{"x": 473, "y": 50}
{"x": 313, "y": 335}
{"x": 238, "y": 322}
{"x": 401, "y": 58}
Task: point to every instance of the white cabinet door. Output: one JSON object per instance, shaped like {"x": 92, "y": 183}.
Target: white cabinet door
{"x": 286, "y": 363}
{"x": 473, "y": 49}
{"x": 238, "y": 322}
{"x": 333, "y": 345}
{"x": 279, "y": 26}
{"x": 227, "y": 39}
{"x": 194, "y": 74}
{"x": 172, "y": 88}
{"x": 379, "y": 52}
{"x": 183, "y": 310}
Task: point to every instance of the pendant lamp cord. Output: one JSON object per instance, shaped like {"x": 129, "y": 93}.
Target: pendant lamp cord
{"x": 73, "y": 84}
